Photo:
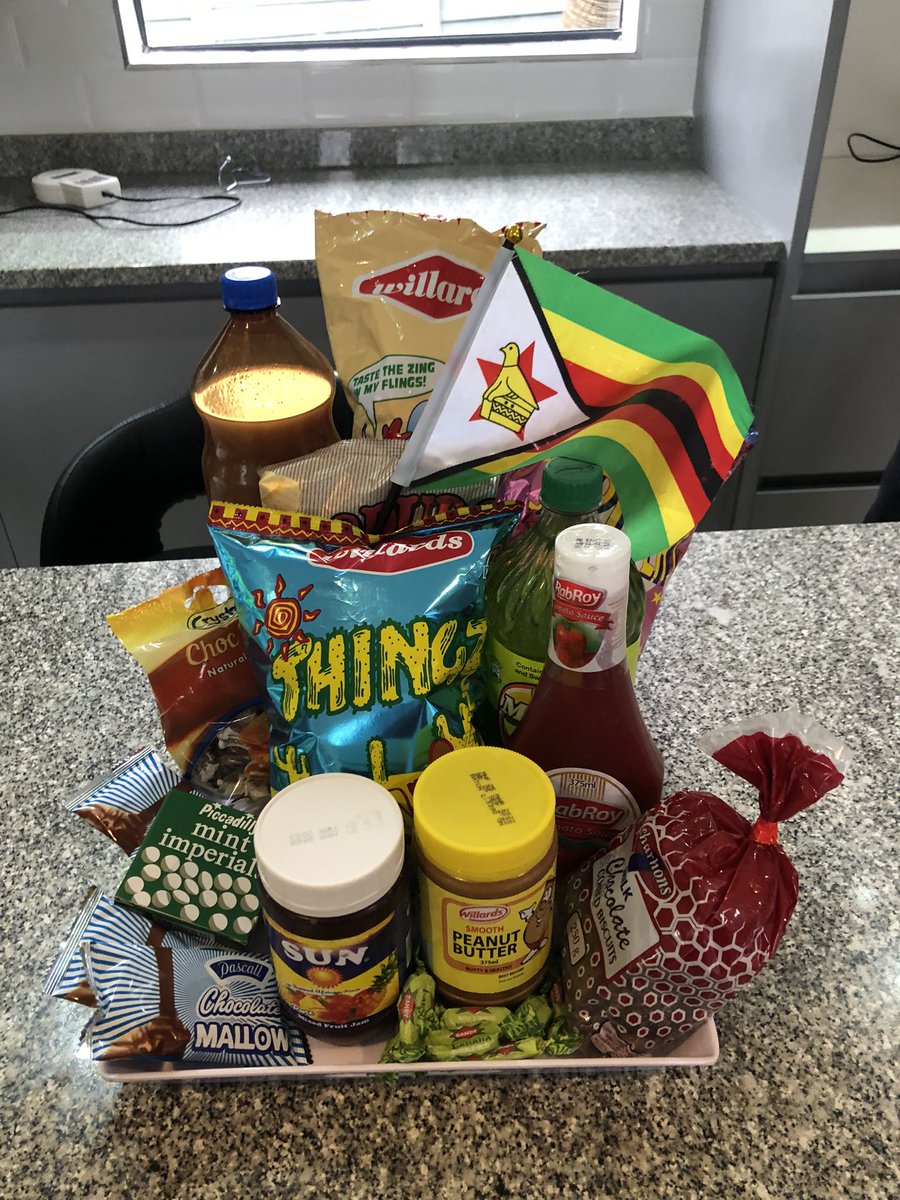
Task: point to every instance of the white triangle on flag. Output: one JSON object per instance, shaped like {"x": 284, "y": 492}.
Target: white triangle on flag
{"x": 478, "y": 419}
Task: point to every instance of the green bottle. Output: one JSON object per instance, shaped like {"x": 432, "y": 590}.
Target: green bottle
{"x": 519, "y": 592}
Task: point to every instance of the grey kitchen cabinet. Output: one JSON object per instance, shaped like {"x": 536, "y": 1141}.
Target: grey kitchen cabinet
{"x": 783, "y": 507}
{"x": 836, "y": 395}
{"x": 71, "y": 371}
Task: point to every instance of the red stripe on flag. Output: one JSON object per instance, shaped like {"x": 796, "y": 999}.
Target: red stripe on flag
{"x": 601, "y": 391}
{"x": 672, "y": 448}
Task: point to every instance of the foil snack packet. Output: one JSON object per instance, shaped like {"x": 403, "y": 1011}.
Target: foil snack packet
{"x": 197, "y": 1005}
{"x": 350, "y": 480}
{"x": 100, "y": 920}
{"x": 396, "y": 289}
{"x": 693, "y": 900}
{"x": 370, "y": 647}
{"x": 123, "y": 803}
{"x": 189, "y": 642}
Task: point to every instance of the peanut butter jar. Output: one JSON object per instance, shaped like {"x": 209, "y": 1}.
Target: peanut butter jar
{"x": 329, "y": 853}
{"x": 485, "y": 841}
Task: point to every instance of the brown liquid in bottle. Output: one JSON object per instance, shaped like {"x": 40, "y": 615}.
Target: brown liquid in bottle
{"x": 264, "y": 394}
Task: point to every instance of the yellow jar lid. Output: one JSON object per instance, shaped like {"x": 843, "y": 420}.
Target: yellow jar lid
{"x": 484, "y": 814}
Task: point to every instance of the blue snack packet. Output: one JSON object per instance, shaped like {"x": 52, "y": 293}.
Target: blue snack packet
{"x": 371, "y": 647}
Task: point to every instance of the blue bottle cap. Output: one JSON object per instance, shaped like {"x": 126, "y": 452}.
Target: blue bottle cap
{"x": 247, "y": 289}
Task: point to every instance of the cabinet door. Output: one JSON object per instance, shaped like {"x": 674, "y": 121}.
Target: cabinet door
{"x": 70, "y": 372}
{"x": 778, "y": 507}
{"x": 836, "y": 408}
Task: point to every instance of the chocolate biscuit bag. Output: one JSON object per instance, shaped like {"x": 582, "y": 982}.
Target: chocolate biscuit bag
{"x": 396, "y": 289}
{"x": 693, "y": 900}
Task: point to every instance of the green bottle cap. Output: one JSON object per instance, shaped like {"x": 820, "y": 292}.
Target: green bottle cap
{"x": 571, "y": 486}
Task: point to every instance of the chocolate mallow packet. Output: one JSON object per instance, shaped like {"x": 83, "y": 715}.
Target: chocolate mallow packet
{"x": 200, "y": 1005}
{"x": 692, "y": 901}
{"x": 100, "y": 919}
{"x": 122, "y": 803}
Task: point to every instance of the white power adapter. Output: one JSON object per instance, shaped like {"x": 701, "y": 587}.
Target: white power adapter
{"x": 75, "y": 185}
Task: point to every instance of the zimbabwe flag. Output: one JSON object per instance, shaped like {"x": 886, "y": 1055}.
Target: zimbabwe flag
{"x": 549, "y": 364}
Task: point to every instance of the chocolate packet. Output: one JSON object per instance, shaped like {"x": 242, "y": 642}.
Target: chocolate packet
{"x": 122, "y": 803}
{"x": 692, "y": 901}
{"x": 189, "y": 642}
{"x": 99, "y": 919}
{"x": 203, "y": 1006}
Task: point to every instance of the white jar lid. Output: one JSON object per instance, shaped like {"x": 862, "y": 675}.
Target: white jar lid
{"x": 329, "y": 845}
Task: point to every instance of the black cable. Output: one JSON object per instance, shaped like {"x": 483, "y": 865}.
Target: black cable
{"x": 96, "y": 218}
{"x": 878, "y": 142}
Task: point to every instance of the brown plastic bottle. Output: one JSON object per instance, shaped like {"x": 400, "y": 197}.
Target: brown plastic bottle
{"x": 263, "y": 392}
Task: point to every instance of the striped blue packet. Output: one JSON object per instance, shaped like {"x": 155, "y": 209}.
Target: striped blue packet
{"x": 99, "y": 919}
{"x": 123, "y": 802}
{"x": 191, "y": 1005}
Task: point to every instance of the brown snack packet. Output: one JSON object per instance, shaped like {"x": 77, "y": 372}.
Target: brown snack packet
{"x": 396, "y": 289}
{"x": 350, "y": 482}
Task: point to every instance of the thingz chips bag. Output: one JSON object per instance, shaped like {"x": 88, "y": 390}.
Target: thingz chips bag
{"x": 371, "y": 647}
{"x": 693, "y": 900}
{"x": 396, "y": 289}
{"x": 189, "y": 642}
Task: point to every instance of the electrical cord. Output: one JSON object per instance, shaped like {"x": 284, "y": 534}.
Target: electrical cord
{"x": 96, "y": 218}
{"x": 878, "y": 142}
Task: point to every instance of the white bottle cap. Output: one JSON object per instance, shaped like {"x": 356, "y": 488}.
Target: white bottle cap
{"x": 595, "y": 555}
{"x": 329, "y": 845}
{"x": 590, "y": 597}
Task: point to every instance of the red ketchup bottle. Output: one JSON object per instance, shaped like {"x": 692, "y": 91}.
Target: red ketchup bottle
{"x": 583, "y": 726}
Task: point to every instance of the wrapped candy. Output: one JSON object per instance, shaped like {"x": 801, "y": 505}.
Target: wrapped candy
{"x": 692, "y": 901}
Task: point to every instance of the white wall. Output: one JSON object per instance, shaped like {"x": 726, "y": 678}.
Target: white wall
{"x": 61, "y": 71}
{"x": 867, "y": 97}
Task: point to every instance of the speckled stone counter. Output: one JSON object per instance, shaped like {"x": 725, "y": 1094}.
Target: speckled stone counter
{"x": 615, "y": 216}
{"x": 803, "y": 1101}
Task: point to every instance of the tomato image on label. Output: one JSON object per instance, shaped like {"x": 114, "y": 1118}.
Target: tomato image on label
{"x": 575, "y": 644}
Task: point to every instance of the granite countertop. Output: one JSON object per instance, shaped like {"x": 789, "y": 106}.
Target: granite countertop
{"x": 803, "y": 1101}
{"x": 615, "y": 213}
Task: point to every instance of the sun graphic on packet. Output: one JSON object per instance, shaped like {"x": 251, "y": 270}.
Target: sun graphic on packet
{"x": 283, "y": 616}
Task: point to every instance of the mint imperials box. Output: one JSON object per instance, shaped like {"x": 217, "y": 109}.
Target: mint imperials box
{"x": 196, "y": 868}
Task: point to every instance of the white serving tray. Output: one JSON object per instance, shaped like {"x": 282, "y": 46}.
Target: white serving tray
{"x": 334, "y": 1061}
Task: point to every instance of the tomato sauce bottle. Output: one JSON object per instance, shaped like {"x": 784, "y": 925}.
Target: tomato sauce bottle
{"x": 583, "y": 725}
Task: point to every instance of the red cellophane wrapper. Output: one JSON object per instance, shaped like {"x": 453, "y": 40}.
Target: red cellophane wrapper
{"x": 693, "y": 900}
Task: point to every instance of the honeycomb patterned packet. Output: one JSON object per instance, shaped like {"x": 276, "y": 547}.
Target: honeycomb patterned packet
{"x": 692, "y": 901}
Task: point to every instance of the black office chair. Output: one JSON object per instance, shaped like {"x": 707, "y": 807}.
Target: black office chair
{"x": 109, "y": 503}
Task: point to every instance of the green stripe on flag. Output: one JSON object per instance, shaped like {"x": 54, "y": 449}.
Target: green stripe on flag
{"x": 620, "y": 320}
{"x": 640, "y": 506}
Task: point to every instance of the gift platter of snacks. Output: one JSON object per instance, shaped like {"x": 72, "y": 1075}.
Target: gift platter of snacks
{"x": 411, "y": 818}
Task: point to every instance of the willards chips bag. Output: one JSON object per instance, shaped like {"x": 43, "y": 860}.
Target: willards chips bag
{"x": 371, "y": 647}
{"x": 396, "y": 289}
{"x": 693, "y": 900}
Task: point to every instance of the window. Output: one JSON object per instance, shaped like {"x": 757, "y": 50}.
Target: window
{"x": 197, "y": 31}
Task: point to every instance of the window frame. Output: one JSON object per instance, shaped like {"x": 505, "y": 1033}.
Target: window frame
{"x": 576, "y": 45}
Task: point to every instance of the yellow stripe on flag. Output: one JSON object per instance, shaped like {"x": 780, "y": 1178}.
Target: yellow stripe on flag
{"x": 676, "y": 516}
{"x": 583, "y": 346}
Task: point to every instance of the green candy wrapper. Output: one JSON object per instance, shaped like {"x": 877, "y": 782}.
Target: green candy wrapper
{"x": 459, "y": 1018}
{"x": 418, "y": 1015}
{"x": 530, "y": 1020}
{"x": 471, "y": 1041}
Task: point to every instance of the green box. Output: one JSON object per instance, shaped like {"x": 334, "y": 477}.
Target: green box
{"x": 196, "y": 868}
